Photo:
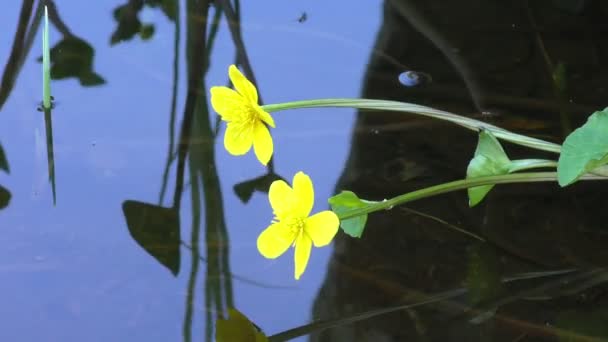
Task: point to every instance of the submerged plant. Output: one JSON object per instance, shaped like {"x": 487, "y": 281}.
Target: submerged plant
{"x": 292, "y": 225}
{"x": 246, "y": 120}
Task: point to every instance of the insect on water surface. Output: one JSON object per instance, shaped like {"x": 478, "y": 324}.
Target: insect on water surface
{"x": 303, "y": 17}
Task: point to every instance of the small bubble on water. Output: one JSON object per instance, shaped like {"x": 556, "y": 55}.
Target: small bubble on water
{"x": 375, "y": 131}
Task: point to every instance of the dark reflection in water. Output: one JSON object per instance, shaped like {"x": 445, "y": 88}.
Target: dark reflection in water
{"x": 487, "y": 57}
{"x": 182, "y": 250}
{"x": 5, "y": 195}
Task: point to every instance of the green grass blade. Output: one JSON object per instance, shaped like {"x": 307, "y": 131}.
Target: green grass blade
{"x": 46, "y": 63}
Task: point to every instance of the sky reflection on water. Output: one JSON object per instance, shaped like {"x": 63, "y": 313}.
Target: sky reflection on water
{"x": 72, "y": 272}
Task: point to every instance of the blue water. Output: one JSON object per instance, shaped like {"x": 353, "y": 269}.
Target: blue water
{"x": 71, "y": 272}
{"x": 75, "y": 271}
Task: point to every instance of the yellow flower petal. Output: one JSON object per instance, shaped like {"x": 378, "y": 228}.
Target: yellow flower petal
{"x": 242, "y": 84}
{"x": 302, "y": 254}
{"x": 265, "y": 116}
{"x": 280, "y": 196}
{"x": 262, "y": 143}
{"x": 227, "y": 102}
{"x": 275, "y": 240}
{"x": 237, "y": 141}
{"x": 303, "y": 193}
{"x": 322, "y": 227}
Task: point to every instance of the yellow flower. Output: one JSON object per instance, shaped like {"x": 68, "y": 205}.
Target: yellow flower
{"x": 244, "y": 116}
{"x": 292, "y": 226}
{"x": 237, "y": 328}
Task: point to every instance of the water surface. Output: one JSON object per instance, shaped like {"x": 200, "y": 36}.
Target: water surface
{"x": 72, "y": 271}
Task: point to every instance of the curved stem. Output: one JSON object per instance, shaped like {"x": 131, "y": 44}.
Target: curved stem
{"x": 397, "y": 106}
{"x": 455, "y": 186}
{"x": 527, "y": 164}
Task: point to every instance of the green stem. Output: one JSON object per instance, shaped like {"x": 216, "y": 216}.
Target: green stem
{"x": 46, "y": 64}
{"x": 397, "y": 106}
{"x": 455, "y": 186}
{"x": 527, "y": 164}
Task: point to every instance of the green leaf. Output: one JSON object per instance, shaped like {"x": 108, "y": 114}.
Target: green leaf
{"x": 346, "y": 201}
{"x": 489, "y": 160}
{"x": 584, "y": 149}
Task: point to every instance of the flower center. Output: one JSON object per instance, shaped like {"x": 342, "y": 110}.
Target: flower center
{"x": 295, "y": 224}
{"x": 245, "y": 123}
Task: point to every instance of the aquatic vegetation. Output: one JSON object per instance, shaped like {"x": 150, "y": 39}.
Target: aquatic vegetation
{"x": 344, "y": 202}
{"x": 490, "y": 165}
{"x": 411, "y": 108}
{"x": 246, "y": 119}
{"x": 73, "y": 57}
{"x": 157, "y": 230}
{"x": 583, "y": 156}
{"x": 3, "y": 161}
{"x": 237, "y": 328}
{"x": 490, "y": 159}
{"x": 128, "y": 23}
{"x": 46, "y": 64}
{"x": 292, "y": 224}
{"x": 5, "y": 195}
{"x": 47, "y": 103}
{"x": 585, "y": 150}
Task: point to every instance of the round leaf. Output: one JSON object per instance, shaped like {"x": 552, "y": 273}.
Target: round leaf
{"x": 584, "y": 149}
